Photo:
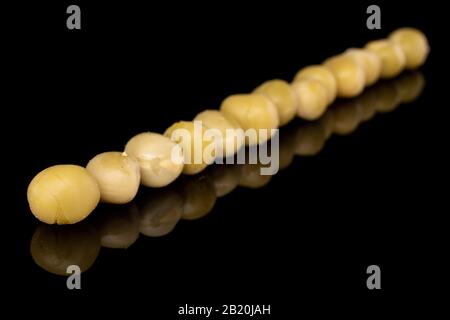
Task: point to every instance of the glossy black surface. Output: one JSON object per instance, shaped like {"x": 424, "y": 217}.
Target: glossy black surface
{"x": 304, "y": 239}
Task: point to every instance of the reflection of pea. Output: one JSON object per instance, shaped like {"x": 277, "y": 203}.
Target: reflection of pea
{"x": 369, "y": 61}
{"x": 251, "y": 176}
{"x": 310, "y": 139}
{"x": 312, "y": 96}
{"x": 230, "y": 140}
{"x": 368, "y": 104}
{"x": 225, "y": 178}
{"x": 412, "y": 85}
{"x": 199, "y": 198}
{"x": 118, "y": 226}
{"x": 346, "y": 117}
{"x": 388, "y": 97}
{"x": 118, "y": 176}
{"x": 63, "y": 194}
{"x": 159, "y": 212}
{"x": 54, "y": 248}
{"x": 286, "y": 150}
{"x": 321, "y": 74}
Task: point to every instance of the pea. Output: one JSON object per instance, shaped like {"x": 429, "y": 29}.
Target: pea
{"x": 230, "y": 139}
{"x": 63, "y": 194}
{"x": 392, "y": 57}
{"x": 349, "y": 75}
{"x": 160, "y": 159}
{"x": 321, "y": 74}
{"x": 282, "y": 95}
{"x": 370, "y": 63}
{"x": 414, "y": 45}
{"x": 118, "y": 176}
{"x": 198, "y": 151}
{"x": 252, "y": 111}
{"x": 312, "y": 98}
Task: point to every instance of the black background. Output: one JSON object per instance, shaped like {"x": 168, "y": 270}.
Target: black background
{"x": 301, "y": 243}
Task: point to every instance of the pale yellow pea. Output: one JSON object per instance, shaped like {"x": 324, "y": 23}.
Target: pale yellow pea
{"x": 310, "y": 139}
{"x": 251, "y": 176}
{"x": 118, "y": 226}
{"x": 118, "y": 176}
{"x": 282, "y": 95}
{"x": 252, "y": 111}
{"x": 312, "y": 98}
{"x": 160, "y": 160}
{"x": 230, "y": 137}
{"x": 321, "y": 74}
{"x": 159, "y": 212}
{"x": 369, "y": 61}
{"x": 55, "y": 248}
{"x": 198, "y": 151}
{"x": 63, "y": 194}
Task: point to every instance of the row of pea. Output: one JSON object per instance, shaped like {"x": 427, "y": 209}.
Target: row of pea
{"x": 66, "y": 194}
